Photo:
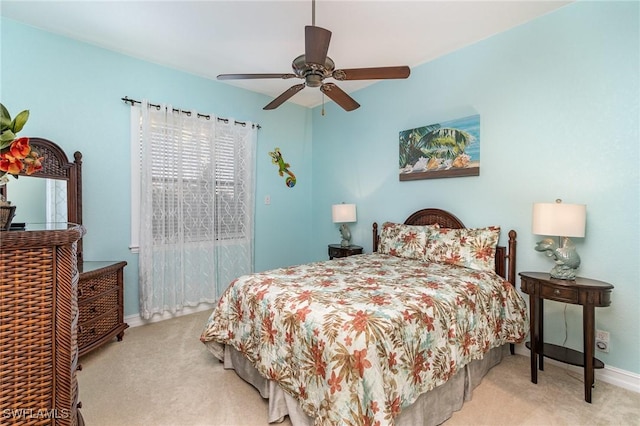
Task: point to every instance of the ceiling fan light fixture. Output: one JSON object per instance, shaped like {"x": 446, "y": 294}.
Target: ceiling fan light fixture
{"x": 314, "y": 80}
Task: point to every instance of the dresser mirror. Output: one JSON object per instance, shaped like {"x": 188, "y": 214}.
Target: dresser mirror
{"x": 53, "y": 194}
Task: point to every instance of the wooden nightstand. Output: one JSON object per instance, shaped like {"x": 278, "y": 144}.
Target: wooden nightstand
{"x": 336, "y": 250}
{"x": 581, "y": 291}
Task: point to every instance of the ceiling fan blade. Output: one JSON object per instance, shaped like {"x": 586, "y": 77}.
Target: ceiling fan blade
{"x": 316, "y": 44}
{"x": 284, "y": 96}
{"x": 339, "y": 96}
{"x": 253, "y": 76}
{"x": 372, "y": 73}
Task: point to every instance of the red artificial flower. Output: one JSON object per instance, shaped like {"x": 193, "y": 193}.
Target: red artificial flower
{"x": 15, "y": 153}
{"x": 10, "y": 164}
{"x": 20, "y": 148}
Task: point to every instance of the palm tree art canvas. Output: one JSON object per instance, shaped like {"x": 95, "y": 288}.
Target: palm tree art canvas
{"x": 448, "y": 149}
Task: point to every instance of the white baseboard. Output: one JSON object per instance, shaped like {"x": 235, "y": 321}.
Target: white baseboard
{"x": 136, "y": 320}
{"x": 615, "y": 376}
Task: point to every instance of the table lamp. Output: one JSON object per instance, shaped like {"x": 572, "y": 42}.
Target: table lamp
{"x": 562, "y": 221}
{"x": 343, "y": 214}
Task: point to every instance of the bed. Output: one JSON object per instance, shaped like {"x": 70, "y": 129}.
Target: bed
{"x": 398, "y": 336}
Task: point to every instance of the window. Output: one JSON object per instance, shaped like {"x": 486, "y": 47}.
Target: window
{"x": 200, "y": 172}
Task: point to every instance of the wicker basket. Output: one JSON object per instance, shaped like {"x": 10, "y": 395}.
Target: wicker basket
{"x": 6, "y": 216}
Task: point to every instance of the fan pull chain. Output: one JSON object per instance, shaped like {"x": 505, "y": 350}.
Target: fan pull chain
{"x": 322, "y": 104}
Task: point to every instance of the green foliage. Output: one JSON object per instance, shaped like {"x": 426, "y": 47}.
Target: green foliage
{"x": 411, "y": 145}
{"x": 447, "y": 143}
{"x": 432, "y": 142}
{"x": 9, "y": 128}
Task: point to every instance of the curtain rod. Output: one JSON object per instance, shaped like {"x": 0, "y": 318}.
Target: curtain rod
{"x": 207, "y": 116}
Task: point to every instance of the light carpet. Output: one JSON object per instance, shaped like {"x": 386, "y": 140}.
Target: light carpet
{"x": 161, "y": 374}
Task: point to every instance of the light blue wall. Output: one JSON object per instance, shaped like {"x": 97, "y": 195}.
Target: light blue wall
{"x": 558, "y": 104}
{"x": 73, "y": 92}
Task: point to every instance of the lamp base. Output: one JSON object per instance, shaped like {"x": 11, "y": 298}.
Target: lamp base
{"x": 565, "y": 256}
{"x": 346, "y": 235}
{"x": 563, "y": 273}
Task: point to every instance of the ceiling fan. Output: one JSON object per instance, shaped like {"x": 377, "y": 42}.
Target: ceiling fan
{"x": 314, "y": 66}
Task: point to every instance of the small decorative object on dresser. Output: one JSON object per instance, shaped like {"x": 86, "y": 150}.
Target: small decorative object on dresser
{"x": 581, "y": 291}
{"x": 338, "y": 250}
{"x": 562, "y": 221}
{"x": 344, "y": 214}
{"x": 6, "y": 215}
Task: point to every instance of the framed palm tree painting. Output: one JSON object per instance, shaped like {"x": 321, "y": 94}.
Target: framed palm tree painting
{"x": 441, "y": 150}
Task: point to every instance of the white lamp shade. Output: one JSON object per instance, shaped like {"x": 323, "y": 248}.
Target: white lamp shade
{"x": 558, "y": 219}
{"x": 343, "y": 213}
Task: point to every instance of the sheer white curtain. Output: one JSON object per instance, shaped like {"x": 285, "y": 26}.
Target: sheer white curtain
{"x": 196, "y": 199}
{"x": 56, "y": 200}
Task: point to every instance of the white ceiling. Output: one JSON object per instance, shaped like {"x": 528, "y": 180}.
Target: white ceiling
{"x": 212, "y": 37}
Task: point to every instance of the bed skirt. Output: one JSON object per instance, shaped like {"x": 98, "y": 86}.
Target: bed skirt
{"x": 431, "y": 408}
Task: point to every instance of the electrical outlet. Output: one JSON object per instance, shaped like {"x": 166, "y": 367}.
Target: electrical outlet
{"x": 602, "y": 341}
{"x": 267, "y": 199}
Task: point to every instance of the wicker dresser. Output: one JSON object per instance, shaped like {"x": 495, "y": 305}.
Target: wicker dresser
{"x": 38, "y": 321}
{"x": 100, "y": 301}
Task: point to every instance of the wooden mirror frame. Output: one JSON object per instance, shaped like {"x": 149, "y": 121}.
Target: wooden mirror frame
{"x": 56, "y": 165}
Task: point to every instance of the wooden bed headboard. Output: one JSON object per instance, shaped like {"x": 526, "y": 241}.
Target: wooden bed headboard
{"x": 505, "y": 256}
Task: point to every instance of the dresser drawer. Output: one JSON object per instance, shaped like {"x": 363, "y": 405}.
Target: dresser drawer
{"x": 99, "y": 305}
{"x": 93, "y": 330}
{"x": 88, "y": 288}
{"x": 560, "y": 294}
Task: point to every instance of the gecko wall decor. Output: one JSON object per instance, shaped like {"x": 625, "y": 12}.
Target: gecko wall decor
{"x": 276, "y": 158}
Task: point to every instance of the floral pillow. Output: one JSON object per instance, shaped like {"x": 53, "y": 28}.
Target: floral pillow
{"x": 471, "y": 248}
{"x": 401, "y": 240}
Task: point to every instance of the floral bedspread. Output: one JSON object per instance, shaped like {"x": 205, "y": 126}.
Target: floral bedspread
{"x": 356, "y": 339}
